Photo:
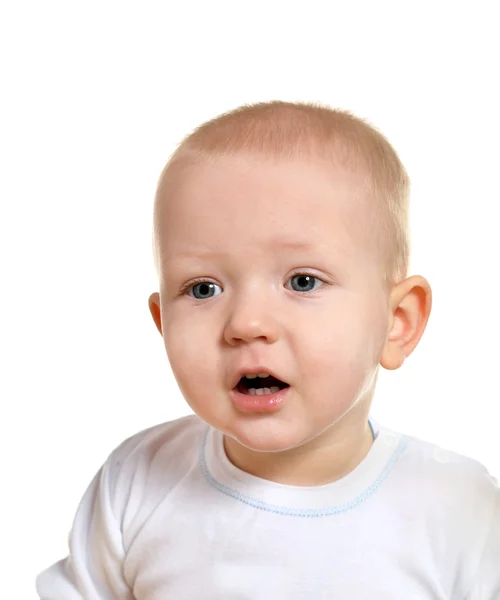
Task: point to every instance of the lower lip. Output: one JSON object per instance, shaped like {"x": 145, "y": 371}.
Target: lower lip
{"x": 265, "y": 403}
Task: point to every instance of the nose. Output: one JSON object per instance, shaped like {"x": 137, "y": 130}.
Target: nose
{"x": 251, "y": 318}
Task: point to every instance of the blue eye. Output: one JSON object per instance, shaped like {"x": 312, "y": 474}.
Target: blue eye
{"x": 305, "y": 282}
{"x": 205, "y": 289}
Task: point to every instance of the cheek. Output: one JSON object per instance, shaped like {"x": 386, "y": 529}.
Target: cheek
{"x": 191, "y": 352}
{"x": 340, "y": 340}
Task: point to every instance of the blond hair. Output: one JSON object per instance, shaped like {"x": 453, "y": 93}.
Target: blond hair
{"x": 290, "y": 130}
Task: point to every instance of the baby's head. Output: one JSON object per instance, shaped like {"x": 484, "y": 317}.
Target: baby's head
{"x": 281, "y": 245}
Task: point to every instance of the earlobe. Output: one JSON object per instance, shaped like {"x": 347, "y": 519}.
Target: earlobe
{"x": 154, "y": 307}
{"x": 410, "y": 307}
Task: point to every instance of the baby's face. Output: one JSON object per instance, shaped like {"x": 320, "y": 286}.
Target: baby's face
{"x": 294, "y": 289}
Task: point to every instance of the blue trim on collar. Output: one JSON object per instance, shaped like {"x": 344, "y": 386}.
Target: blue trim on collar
{"x": 371, "y": 427}
{"x": 299, "y": 512}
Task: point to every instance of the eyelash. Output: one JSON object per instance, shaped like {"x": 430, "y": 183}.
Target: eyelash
{"x": 188, "y": 286}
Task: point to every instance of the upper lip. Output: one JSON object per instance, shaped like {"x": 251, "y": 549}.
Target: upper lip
{"x": 253, "y": 371}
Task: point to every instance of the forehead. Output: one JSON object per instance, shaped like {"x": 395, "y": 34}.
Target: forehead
{"x": 217, "y": 207}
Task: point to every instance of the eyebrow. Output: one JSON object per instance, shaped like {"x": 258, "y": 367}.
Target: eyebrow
{"x": 288, "y": 245}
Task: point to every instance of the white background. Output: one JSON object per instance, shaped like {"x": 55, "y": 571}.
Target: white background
{"x": 96, "y": 95}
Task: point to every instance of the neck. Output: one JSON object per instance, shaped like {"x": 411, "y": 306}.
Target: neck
{"x": 327, "y": 458}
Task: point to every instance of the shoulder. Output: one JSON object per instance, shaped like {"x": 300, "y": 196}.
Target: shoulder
{"x": 446, "y": 469}
{"x": 451, "y": 479}
{"x": 455, "y": 502}
{"x": 448, "y": 489}
{"x": 153, "y": 459}
{"x": 458, "y": 495}
{"x": 166, "y": 438}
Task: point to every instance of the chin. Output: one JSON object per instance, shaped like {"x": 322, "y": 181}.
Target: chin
{"x": 268, "y": 437}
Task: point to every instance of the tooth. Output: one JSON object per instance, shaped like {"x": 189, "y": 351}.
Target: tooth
{"x": 262, "y": 391}
{"x": 254, "y": 376}
{"x": 263, "y": 375}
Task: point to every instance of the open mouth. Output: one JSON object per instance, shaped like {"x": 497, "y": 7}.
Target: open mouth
{"x": 260, "y": 386}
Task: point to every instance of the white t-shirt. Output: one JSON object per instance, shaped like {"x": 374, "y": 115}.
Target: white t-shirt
{"x": 168, "y": 516}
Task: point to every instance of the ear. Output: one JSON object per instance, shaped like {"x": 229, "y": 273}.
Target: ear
{"x": 410, "y": 306}
{"x": 154, "y": 307}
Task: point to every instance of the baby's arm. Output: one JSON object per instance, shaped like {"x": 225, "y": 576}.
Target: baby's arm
{"x": 94, "y": 567}
{"x": 487, "y": 583}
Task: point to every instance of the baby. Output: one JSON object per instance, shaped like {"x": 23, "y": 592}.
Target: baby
{"x": 281, "y": 245}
